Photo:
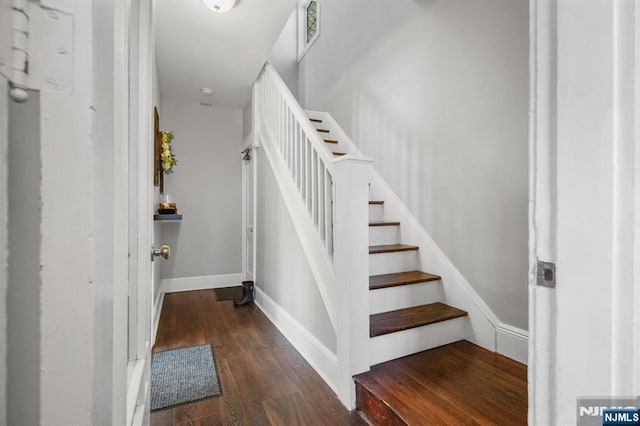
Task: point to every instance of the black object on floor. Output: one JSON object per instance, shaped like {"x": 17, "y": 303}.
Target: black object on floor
{"x": 247, "y": 288}
{"x": 229, "y": 293}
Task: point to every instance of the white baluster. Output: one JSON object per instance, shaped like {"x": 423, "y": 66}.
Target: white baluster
{"x": 314, "y": 187}
{"x": 328, "y": 212}
{"x": 319, "y": 195}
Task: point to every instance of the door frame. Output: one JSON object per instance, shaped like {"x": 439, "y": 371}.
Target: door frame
{"x": 132, "y": 374}
{"x": 138, "y": 392}
{"x": 246, "y": 166}
{"x": 585, "y": 95}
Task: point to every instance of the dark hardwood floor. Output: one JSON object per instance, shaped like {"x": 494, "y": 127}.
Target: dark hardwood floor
{"x": 264, "y": 380}
{"x": 456, "y": 384}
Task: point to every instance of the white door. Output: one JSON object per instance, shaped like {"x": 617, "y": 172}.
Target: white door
{"x": 95, "y": 255}
{"x": 585, "y": 207}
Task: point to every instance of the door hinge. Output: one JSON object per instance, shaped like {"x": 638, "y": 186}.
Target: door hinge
{"x": 40, "y": 55}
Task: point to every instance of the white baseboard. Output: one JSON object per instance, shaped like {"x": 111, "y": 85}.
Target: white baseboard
{"x": 156, "y": 314}
{"x": 512, "y": 342}
{"x": 171, "y": 285}
{"x": 323, "y": 361}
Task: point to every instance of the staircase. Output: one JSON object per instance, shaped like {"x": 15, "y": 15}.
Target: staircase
{"x": 406, "y": 305}
{"x": 383, "y": 291}
{"x": 407, "y": 309}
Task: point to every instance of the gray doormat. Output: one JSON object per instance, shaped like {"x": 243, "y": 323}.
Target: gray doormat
{"x": 183, "y": 375}
{"x": 228, "y": 293}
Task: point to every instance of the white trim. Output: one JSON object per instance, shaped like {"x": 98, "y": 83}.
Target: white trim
{"x": 303, "y": 45}
{"x": 157, "y": 312}
{"x": 120, "y": 215}
{"x": 512, "y": 342}
{"x": 246, "y": 144}
{"x": 138, "y": 415}
{"x": 171, "y": 285}
{"x": 134, "y": 387}
{"x": 321, "y": 358}
{"x": 543, "y": 116}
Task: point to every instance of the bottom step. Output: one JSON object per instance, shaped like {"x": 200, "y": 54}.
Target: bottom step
{"x": 402, "y": 343}
{"x": 456, "y": 384}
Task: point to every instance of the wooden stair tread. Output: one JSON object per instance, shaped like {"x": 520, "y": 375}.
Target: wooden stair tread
{"x": 458, "y": 383}
{"x": 382, "y": 223}
{"x": 375, "y": 202}
{"x": 400, "y": 278}
{"x": 390, "y": 248}
{"x": 416, "y": 316}
{"x": 322, "y": 130}
{"x": 331, "y": 141}
{"x": 315, "y": 120}
{"x": 339, "y": 154}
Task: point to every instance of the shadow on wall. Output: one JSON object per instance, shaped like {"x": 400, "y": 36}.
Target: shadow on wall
{"x": 170, "y": 234}
{"x": 407, "y": 154}
{"x": 437, "y": 95}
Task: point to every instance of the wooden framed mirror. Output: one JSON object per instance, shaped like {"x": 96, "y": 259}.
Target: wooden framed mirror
{"x": 158, "y": 175}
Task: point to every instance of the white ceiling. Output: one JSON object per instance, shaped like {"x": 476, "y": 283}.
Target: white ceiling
{"x": 196, "y": 47}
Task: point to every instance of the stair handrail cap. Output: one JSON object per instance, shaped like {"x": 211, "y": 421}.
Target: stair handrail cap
{"x": 351, "y": 158}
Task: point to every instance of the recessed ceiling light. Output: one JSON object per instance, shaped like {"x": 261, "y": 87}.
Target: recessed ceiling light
{"x": 206, "y": 91}
{"x": 219, "y": 5}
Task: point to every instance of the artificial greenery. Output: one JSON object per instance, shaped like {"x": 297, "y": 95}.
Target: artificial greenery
{"x": 167, "y": 157}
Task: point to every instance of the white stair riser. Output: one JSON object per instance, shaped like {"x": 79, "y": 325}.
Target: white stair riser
{"x": 379, "y": 235}
{"x": 376, "y": 212}
{"x": 406, "y": 296}
{"x": 387, "y": 263}
{"x": 396, "y": 345}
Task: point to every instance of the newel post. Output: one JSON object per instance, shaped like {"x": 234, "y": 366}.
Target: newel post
{"x": 351, "y": 266}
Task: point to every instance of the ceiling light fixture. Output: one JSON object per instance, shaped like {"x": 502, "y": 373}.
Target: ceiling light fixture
{"x": 206, "y": 91}
{"x": 219, "y": 5}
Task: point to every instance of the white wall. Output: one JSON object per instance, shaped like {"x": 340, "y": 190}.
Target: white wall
{"x": 284, "y": 55}
{"x": 247, "y": 117}
{"x": 436, "y": 92}
{"x": 23, "y": 294}
{"x": 283, "y": 272}
{"x": 206, "y": 185}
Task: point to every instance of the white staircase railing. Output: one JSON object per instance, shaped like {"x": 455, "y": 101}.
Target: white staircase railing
{"x": 327, "y": 199}
{"x": 301, "y": 149}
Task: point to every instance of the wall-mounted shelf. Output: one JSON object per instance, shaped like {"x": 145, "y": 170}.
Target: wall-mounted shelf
{"x": 167, "y": 217}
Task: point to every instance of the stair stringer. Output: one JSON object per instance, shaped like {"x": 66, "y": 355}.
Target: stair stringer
{"x": 482, "y": 323}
